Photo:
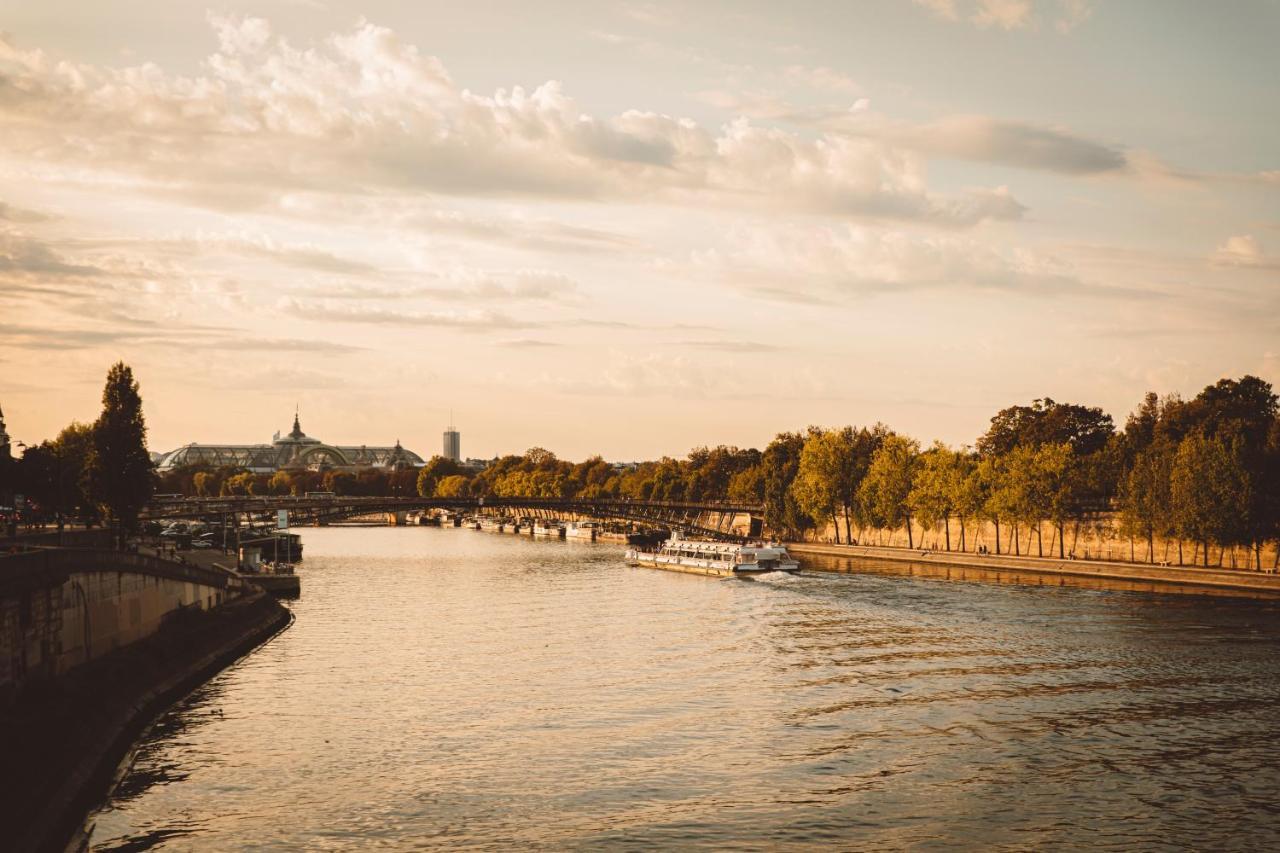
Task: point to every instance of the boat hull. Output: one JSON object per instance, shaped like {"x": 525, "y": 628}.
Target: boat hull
{"x": 710, "y": 568}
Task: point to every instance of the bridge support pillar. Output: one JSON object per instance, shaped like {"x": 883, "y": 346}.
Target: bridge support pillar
{"x": 397, "y": 519}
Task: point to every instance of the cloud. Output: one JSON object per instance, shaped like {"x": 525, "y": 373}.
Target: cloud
{"x": 22, "y": 255}
{"x": 827, "y": 265}
{"x": 844, "y": 176}
{"x": 329, "y": 311}
{"x": 1005, "y": 14}
{"x": 9, "y": 213}
{"x": 989, "y": 140}
{"x": 528, "y": 343}
{"x": 1243, "y": 250}
{"x": 362, "y": 111}
{"x": 742, "y": 347}
{"x": 1012, "y": 14}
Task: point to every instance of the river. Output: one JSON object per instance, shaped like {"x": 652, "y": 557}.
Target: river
{"x": 467, "y": 689}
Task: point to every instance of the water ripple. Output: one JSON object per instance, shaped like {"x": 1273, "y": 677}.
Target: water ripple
{"x": 450, "y": 687}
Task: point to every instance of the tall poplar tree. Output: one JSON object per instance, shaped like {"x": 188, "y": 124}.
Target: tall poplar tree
{"x": 120, "y": 470}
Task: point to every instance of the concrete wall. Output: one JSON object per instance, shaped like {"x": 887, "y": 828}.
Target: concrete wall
{"x": 59, "y": 609}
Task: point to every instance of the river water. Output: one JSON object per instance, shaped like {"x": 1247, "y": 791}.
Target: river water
{"x": 466, "y": 689}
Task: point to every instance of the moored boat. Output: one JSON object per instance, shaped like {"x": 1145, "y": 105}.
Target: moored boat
{"x": 548, "y": 528}
{"x": 585, "y": 530}
{"x": 720, "y": 559}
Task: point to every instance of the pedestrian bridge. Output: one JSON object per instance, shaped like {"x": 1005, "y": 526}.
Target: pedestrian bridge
{"x": 704, "y": 518}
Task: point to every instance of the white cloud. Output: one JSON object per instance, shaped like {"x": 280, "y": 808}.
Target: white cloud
{"x": 1012, "y": 14}
{"x": 1005, "y": 14}
{"x": 1243, "y": 250}
{"x": 816, "y": 265}
{"x": 362, "y": 111}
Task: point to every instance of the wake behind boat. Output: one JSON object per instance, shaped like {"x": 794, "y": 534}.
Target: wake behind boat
{"x": 718, "y": 559}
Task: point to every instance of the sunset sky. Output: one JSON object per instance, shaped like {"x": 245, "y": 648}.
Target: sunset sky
{"x": 630, "y": 228}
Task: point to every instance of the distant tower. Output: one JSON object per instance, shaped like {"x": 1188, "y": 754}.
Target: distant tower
{"x": 452, "y": 442}
{"x": 4, "y": 439}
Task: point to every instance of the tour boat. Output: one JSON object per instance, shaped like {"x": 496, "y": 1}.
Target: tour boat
{"x": 724, "y": 559}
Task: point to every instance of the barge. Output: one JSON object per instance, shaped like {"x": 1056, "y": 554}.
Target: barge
{"x": 717, "y": 559}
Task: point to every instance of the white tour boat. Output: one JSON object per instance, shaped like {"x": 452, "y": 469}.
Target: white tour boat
{"x": 723, "y": 559}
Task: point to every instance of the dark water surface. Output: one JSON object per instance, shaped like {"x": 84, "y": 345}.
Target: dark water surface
{"x": 458, "y": 688}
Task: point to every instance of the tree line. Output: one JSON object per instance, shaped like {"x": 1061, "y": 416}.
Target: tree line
{"x": 1198, "y": 473}
{"x": 1202, "y": 472}
{"x": 94, "y": 473}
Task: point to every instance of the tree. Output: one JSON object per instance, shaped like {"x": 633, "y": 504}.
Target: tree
{"x": 780, "y": 463}
{"x": 1085, "y": 428}
{"x": 437, "y": 468}
{"x": 1145, "y": 499}
{"x": 816, "y": 488}
{"x": 453, "y": 486}
{"x": 1209, "y": 492}
{"x": 937, "y": 487}
{"x": 119, "y": 467}
{"x": 887, "y": 486}
{"x": 280, "y": 483}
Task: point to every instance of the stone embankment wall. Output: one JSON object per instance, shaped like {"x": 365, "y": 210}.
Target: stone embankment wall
{"x": 1132, "y": 576}
{"x": 62, "y": 608}
{"x": 1099, "y": 539}
{"x": 94, "y": 644}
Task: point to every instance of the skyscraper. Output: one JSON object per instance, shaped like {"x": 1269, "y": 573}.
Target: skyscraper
{"x": 452, "y": 443}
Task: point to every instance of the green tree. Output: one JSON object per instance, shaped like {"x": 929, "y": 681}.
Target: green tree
{"x": 436, "y": 469}
{"x": 937, "y": 488}
{"x": 453, "y": 486}
{"x": 887, "y": 486}
{"x": 1210, "y": 492}
{"x": 119, "y": 467}
{"x": 1145, "y": 499}
{"x": 816, "y": 488}
{"x": 779, "y": 465}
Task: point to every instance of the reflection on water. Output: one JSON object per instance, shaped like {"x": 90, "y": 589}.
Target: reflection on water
{"x": 457, "y": 687}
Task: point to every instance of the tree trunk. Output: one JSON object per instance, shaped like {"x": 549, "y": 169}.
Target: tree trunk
{"x": 1017, "y": 543}
{"x": 1062, "y": 544}
{"x": 911, "y": 542}
{"x": 1131, "y": 557}
{"x": 1179, "y": 552}
{"x": 1039, "y": 541}
{"x": 997, "y": 522}
{"x": 1151, "y": 545}
{"x": 963, "y": 546}
{"x": 835, "y": 526}
{"x": 946, "y": 521}
{"x": 1257, "y": 556}
{"x": 848, "y": 531}
{"x": 1206, "y": 554}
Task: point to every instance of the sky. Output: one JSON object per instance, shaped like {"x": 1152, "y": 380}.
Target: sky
{"x": 630, "y": 228}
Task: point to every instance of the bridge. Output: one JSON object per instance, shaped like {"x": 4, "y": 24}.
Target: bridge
{"x": 713, "y": 519}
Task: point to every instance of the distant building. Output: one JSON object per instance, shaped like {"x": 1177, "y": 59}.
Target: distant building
{"x": 452, "y": 444}
{"x": 295, "y": 451}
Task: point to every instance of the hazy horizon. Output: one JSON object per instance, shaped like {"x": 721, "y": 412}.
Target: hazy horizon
{"x": 630, "y": 228}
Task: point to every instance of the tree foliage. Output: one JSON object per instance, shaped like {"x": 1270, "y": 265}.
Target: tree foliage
{"x": 119, "y": 470}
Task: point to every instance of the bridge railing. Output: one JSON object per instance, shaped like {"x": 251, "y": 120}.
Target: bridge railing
{"x": 265, "y": 503}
